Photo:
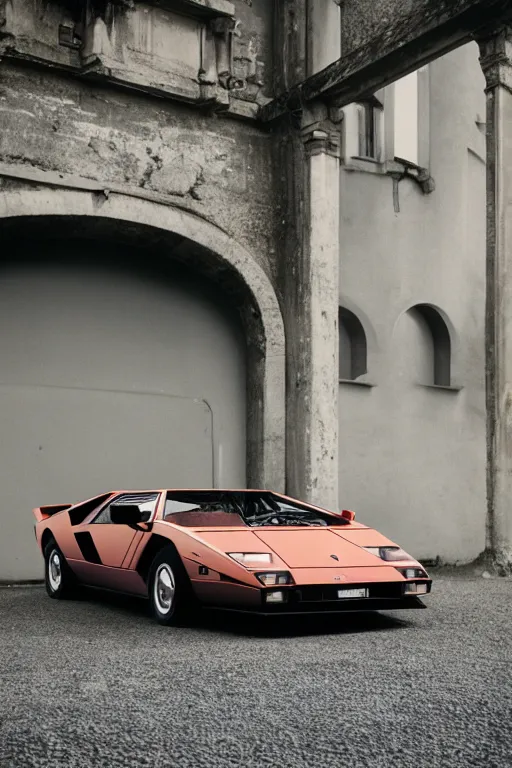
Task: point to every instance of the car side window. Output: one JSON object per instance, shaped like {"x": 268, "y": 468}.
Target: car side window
{"x": 147, "y": 503}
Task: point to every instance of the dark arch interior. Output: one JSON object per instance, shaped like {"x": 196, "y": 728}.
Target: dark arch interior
{"x": 352, "y": 346}
{"x": 146, "y": 265}
{"x": 441, "y": 342}
{"x": 149, "y": 250}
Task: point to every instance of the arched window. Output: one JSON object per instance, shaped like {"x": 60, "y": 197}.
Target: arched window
{"x": 352, "y": 349}
{"x": 436, "y": 343}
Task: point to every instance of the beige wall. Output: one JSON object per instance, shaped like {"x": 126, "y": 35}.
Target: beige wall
{"x": 412, "y": 458}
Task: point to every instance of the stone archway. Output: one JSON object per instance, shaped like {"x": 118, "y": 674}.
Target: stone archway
{"x": 214, "y": 254}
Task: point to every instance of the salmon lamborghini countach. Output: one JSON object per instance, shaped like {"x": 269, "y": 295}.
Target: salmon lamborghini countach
{"x": 253, "y": 551}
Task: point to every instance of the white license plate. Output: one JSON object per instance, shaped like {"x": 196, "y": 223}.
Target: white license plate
{"x": 360, "y": 592}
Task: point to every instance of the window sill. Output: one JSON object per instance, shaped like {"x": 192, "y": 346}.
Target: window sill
{"x": 357, "y": 383}
{"x": 444, "y": 387}
{"x": 364, "y": 165}
{"x": 397, "y": 168}
{"x": 365, "y": 159}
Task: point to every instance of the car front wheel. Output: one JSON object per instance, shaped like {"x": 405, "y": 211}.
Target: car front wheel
{"x": 59, "y": 579}
{"x": 170, "y": 592}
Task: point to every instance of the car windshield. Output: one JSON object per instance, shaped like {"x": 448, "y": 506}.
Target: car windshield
{"x": 242, "y": 508}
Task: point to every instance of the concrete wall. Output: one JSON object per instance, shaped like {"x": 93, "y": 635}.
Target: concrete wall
{"x": 412, "y": 458}
{"x": 115, "y": 373}
{"x": 215, "y": 167}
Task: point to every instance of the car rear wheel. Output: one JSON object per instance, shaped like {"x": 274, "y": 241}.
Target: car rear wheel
{"x": 59, "y": 579}
{"x": 169, "y": 588}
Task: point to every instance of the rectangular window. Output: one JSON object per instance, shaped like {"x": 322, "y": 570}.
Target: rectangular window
{"x": 391, "y": 125}
{"x": 369, "y": 115}
{"x": 146, "y": 502}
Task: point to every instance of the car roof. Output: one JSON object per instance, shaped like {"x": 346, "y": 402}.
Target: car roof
{"x": 223, "y": 490}
{"x": 197, "y": 490}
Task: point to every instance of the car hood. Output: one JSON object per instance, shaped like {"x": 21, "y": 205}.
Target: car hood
{"x": 298, "y": 548}
{"x": 315, "y": 549}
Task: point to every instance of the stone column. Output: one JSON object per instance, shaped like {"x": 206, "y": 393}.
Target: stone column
{"x": 308, "y": 147}
{"x": 496, "y": 61}
{"x": 311, "y": 290}
{"x": 321, "y": 248}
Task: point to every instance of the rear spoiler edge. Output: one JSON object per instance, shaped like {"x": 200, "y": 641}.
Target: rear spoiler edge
{"x": 43, "y": 513}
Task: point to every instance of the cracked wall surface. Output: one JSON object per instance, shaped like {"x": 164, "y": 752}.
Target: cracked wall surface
{"x": 217, "y": 167}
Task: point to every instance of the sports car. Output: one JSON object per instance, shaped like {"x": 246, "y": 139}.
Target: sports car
{"x": 246, "y": 550}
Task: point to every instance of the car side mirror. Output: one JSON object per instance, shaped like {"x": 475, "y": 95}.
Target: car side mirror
{"x": 347, "y": 514}
{"x": 128, "y": 514}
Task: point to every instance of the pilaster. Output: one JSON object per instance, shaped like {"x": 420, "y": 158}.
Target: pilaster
{"x": 312, "y": 290}
{"x": 496, "y": 61}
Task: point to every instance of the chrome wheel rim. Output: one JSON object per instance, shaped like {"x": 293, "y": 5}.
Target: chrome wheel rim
{"x": 54, "y": 570}
{"x": 164, "y": 588}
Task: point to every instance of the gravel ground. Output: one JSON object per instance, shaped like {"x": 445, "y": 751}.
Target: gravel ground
{"x": 96, "y": 683}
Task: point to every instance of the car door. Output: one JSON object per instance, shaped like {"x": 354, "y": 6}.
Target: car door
{"x": 105, "y": 545}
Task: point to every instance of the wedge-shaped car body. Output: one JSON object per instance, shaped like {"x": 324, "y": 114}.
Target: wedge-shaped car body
{"x": 244, "y": 550}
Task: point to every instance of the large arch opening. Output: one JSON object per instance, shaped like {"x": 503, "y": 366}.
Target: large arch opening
{"x": 131, "y": 353}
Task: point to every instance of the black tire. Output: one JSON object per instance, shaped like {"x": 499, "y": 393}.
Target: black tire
{"x": 59, "y": 579}
{"x": 170, "y": 592}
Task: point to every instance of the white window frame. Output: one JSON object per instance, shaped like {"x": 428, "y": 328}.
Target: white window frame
{"x": 355, "y": 128}
{"x": 384, "y": 159}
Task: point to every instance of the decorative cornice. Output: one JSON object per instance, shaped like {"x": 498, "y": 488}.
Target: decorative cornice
{"x": 496, "y": 55}
{"x": 229, "y": 78}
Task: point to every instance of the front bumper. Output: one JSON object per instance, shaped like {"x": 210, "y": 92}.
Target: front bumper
{"x": 382, "y": 596}
{"x": 306, "y": 599}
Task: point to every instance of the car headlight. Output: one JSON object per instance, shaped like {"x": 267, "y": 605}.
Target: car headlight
{"x": 389, "y": 554}
{"x": 251, "y": 558}
{"x": 413, "y": 573}
{"x": 275, "y": 579}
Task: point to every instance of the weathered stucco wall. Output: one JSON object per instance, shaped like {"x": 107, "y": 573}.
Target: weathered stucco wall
{"x": 216, "y": 167}
{"x": 412, "y": 458}
{"x": 86, "y": 106}
{"x": 140, "y": 121}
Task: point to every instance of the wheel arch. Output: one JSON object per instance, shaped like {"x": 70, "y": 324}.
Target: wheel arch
{"x": 46, "y": 537}
{"x": 155, "y": 544}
